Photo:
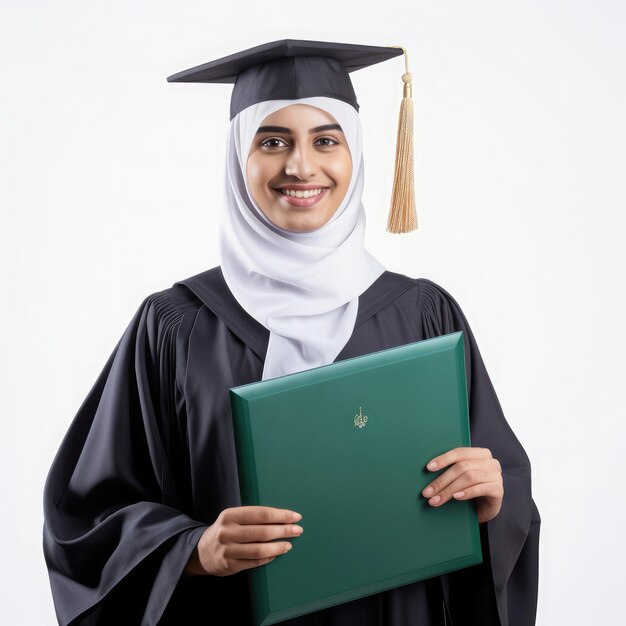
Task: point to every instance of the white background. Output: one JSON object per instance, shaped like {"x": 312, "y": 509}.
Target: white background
{"x": 112, "y": 181}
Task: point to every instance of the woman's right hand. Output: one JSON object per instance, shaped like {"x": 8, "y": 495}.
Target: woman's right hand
{"x": 241, "y": 538}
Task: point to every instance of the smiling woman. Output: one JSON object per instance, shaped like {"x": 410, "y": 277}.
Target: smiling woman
{"x": 299, "y": 167}
{"x": 143, "y": 516}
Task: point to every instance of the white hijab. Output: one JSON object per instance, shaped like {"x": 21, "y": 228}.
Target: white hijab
{"x": 303, "y": 287}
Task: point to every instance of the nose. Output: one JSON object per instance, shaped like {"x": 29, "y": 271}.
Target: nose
{"x": 300, "y": 163}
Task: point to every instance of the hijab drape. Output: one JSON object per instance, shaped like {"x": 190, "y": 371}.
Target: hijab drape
{"x": 302, "y": 286}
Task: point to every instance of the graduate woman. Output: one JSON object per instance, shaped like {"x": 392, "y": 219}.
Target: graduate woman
{"x": 143, "y": 518}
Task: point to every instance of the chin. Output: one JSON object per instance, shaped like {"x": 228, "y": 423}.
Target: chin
{"x": 305, "y": 225}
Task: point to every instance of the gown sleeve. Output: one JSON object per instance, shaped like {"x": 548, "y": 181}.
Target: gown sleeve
{"x": 503, "y": 589}
{"x": 114, "y": 549}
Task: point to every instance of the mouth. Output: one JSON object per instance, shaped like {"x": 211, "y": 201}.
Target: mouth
{"x": 301, "y": 195}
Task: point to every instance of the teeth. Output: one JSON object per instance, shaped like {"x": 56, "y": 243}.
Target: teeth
{"x": 308, "y": 193}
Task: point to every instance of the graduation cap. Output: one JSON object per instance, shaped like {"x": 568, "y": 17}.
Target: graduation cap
{"x": 296, "y": 68}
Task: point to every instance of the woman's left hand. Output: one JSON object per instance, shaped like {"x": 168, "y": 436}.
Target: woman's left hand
{"x": 473, "y": 473}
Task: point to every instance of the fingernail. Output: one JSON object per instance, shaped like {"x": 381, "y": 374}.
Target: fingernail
{"x": 428, "y": 492}
{"x": 296, "y": 529}
{"x": 432, "y": 465}
{"x": 296, "y": 517}
{"x": 434, "y": 500}
{"x": 289, "y": 546}
{"x": 459, "y": 494}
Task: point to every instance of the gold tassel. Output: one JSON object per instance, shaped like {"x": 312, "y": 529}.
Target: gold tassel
{"x": 402, "y": 213}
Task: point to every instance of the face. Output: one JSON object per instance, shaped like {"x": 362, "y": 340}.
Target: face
{"x": 299, "y": 167}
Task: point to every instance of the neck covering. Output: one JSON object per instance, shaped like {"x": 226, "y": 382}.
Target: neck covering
{"x": 302, "y": 286}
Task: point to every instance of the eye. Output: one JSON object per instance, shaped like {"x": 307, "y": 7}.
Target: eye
{"x": 333, "y": 141}
{"x": 265, "y": 143}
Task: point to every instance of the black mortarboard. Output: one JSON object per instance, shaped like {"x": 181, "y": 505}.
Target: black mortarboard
{"x": 289, "y": 69}
{"x": 296, "y": 68}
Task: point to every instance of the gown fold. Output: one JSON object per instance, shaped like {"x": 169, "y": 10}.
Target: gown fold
{"x": 110, "y": 534}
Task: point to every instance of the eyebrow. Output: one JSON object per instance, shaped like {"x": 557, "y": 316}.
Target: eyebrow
{"x": 283, "y": 129}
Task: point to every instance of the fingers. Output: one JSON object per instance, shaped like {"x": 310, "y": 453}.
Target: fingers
{"x": 238, "y": 565}
{"x": 472, "y": 473}
{"x": 231, "y": 565}
{"x": 489, "y": 465}
{"x": 494, "y": 490}
{"x": 458, "y": 454}
{"x": 249, "y": 533}
{"x": 260, "y": 515}
{"x": 246, "y": 551}
{"x": 463, "y": 484}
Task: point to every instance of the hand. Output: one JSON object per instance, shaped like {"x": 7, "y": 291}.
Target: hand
{"x": 473, "y": 473}
{"x": 241, "y": 538}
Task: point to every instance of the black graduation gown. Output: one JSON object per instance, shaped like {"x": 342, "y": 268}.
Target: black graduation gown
{"x": 149, "y": 462}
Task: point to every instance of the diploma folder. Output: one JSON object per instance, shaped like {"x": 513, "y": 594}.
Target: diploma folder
{"x": 346, "y": 445}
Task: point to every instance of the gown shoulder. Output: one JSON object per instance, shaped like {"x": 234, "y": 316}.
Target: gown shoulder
{"x": 432, "y": 301}
{"x": 437, "y": 309}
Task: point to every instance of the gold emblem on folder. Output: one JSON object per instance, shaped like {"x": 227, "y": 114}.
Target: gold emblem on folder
{"x": 359, "y": 419}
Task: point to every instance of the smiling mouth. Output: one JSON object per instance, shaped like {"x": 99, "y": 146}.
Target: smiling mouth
{"x": 301, "y": 198}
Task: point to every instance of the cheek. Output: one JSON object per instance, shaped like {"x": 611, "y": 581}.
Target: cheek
{"x": 258, "y": 173}
{"x": 342, "y": 170}
{"x": 252, "y": 172}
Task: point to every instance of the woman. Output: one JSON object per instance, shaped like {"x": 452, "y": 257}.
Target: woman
{"x": 144, "y": 523}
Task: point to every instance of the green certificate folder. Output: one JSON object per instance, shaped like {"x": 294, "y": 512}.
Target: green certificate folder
{"x": 346, "y": 445}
